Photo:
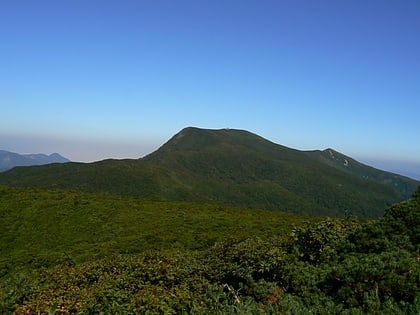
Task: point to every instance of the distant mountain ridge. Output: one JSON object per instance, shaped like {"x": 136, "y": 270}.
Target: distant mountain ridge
{"x": 9, "y": 160}
{"x": 236, "y": 167}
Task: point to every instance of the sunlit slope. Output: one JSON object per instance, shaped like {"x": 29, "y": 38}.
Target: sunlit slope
{"x": 39, "y": 227}
{"x": 233, "y": 167}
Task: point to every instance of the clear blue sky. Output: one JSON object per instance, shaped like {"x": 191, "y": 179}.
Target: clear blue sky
{"x": 98, "y": 79}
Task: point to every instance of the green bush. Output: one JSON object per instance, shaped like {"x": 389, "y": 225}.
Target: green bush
{"x": 321, "y": 242}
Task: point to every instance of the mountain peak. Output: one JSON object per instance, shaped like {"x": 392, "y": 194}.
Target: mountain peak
{"x": 58, "y": 157}
{"x": 194, "y": 138}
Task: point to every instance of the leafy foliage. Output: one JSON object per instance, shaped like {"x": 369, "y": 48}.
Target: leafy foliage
{"x": 336, "y": 266}
{"x": 322, "y": 242}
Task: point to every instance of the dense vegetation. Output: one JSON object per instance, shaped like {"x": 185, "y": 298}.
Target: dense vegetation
{"x": 233, "y": 167}
{"x": 41, "y": 227}
{"x": 334, "y": 266}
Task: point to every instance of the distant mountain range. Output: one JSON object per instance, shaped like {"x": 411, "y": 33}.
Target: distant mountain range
{"x": 9, "y": 160}
{"x": 235, "y": 167}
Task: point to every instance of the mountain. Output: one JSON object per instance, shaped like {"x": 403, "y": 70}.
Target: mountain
{"x": 9, "y": 160}
{"x": 234, "y": 167}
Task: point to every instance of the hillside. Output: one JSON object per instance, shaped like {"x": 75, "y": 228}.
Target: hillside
{"x": 334, "y": 266}
{"x": 233, "y": 167}
{"x": 9, "y": 160}
{"x": 41, "y": 227}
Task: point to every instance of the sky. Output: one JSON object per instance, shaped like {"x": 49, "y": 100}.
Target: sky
{"x": 116, "y": 79}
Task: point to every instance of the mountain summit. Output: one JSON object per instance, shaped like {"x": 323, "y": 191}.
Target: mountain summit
{"x": 230, "y": 166}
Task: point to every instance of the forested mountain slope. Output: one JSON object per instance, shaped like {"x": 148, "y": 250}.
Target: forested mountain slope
{"x": 233, "y": 167}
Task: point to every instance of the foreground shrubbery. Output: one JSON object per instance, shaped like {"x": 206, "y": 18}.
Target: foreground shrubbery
{"x": 333, "y": 267}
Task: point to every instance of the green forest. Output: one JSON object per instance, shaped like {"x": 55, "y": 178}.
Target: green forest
{"x": 72, "y": 252}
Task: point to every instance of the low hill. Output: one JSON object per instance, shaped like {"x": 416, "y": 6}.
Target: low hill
{"x": 9, "y": 160}
{"x": 233, "y": 167}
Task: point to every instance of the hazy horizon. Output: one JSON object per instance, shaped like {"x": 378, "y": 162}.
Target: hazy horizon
{"x": 116, "y": 79}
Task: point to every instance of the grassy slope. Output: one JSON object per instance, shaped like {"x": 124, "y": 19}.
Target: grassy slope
{"x": 41, "y": 227}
